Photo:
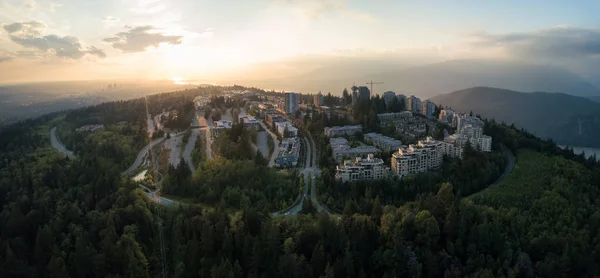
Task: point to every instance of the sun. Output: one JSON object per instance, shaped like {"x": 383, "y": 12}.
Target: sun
{"x": 177, "y": 80}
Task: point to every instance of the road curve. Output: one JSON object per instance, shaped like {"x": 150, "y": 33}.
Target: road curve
{"x": 509, "y": 167}
{"x": 140, "y": 156}
{"x": 275, "y": 144}
{"x": 57, "y": 144}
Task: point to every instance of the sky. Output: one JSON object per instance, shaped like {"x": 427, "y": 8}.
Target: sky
{"x": 43, "y": 40}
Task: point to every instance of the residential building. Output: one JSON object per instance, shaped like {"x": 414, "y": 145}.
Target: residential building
{"x": 369, "y": 168}
{"x": 386, "y": 119}
{"x": 364, "y": 93}
{"x": 318, "y": 99}
{"x": 218, "y": 127}
{"x": 289, "y": 152}
{"x": 388, "y": 97}
{"x": 248, "y": 121}
{"x": 272, "y": 118}
{"x": 292, "y": 131}
{"x": 291, "y": 103}
{"x": 425, "y": 155}
{"x": 402, "y": 99}
{"x": 446, "y": 115}
{"x": 455, "y": 145}
{"x": 354, "y": 95}
{"x": 341, "y": 150}
{"x": 382, "y": 142}
{"x": 413, "y": 104}
{"x": 427, "y": 108}
{"x": 346, "y": 130}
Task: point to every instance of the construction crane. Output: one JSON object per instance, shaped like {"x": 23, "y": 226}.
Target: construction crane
{"x": 371, "y": 83}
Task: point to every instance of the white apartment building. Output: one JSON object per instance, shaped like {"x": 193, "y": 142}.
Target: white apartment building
{"x": 336, "y": 131}
{"x": 281, "y": 126}
{"x": 383, "y": 142}
{"x": 341, "y": 150}
{"x": 369, "y": 168}
{"x": 425, "y": 155}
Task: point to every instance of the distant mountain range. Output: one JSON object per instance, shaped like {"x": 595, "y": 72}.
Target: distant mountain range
{"x": 569, "y": 120}
{"x": 433, "y": 79}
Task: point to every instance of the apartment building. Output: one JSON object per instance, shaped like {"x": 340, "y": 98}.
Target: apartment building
{"x": 425, "y": 155}
{"x": 292, "y": 131}
{"x": 446, "y": 115}
{"x": 427, "y": 108}
{"x": 218, "y": 127}
{"x": 341, "y": 150}
{"x": 346, "y": 130}
{"x": 248, "y": 121}
{"x": 413, "y": 104}
{"x": 369, "y": 168}
{"x": 383, "y": 142}
{"x": 291, "y": 103}
{"x": 388, "y": 97}
{"x": 386, "y": 119}
{"x": 318, "y": 99}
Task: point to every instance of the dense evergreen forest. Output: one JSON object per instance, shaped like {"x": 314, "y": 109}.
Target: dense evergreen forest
{"x": 78, "y": 217}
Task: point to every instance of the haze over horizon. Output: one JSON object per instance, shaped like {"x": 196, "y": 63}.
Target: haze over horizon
{"x": 244, "y": 41}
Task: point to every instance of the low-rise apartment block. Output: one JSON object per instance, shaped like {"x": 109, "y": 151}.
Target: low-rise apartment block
{"x": 248, "y": 121}
{"x": 383, "y": 142}
{"x": 336, "y": 131}
{"x": 386, "y": 119}
{"x": 369, "y": 168}
{"x": 292, "y": 131}
{"x": 341, "y": 150}
{"x": 218, "y": 127}
{"x": 289, "y": 152}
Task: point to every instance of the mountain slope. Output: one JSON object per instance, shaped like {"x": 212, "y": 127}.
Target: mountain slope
{"x": 567, "y": 119}
{"x": 430, "y": 80}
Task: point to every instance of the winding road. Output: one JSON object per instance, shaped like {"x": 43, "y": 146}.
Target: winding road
{"x": 140, "y": 156}
{"x": 57, "y": 144}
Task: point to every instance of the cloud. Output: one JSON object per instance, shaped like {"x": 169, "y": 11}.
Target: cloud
{"x": 28, "y": 35}
{"x": 316, "y": 9}
{"x": 110, "y": 18}
{"x": 557, "y": 42}
{"x": 149, "y": 7}
{"x": 32, "y": 28}
{"x": 5, "y": 56}
{"x": 139, "y": 38}
{"x": 54, "y": 5}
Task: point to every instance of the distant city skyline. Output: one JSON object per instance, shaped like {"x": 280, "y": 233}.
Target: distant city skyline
{"x": 42, "y": 40}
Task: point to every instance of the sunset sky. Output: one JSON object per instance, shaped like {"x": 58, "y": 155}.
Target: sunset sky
{"x": 43, "y": 40}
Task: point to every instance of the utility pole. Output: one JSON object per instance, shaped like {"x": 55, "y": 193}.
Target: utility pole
{"x": 371, "y": 83}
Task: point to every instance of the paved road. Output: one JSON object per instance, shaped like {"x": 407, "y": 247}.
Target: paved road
{"x": 57, "y": 144}
{"x": 275, "y": 144}
{"x": 189, "y": 147}
{"x": 509, "y": 167}
{"x": 155, "y": 196}
{"x": 140, "y": 156}
{"x": 310, "y": 174}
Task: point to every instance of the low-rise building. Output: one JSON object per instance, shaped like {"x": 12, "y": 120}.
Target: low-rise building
{"x": 281, "y": 127}
{"x": 369, "y": 168}
{"x": 289, "y": 152}
{"x": 248, "y": 121}
{"x": 386, "y": 119}
{"x": 219, "y": 126}
{"x": 341, "y": 150}
{"x": 425, "y": 155}
{"x": 90, "y": 128}
{"x": 383, "y": 142}
{"x": 346, "y": 130}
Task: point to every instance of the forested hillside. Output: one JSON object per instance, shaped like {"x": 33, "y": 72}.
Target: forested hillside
{"x": 78, "y": 217}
